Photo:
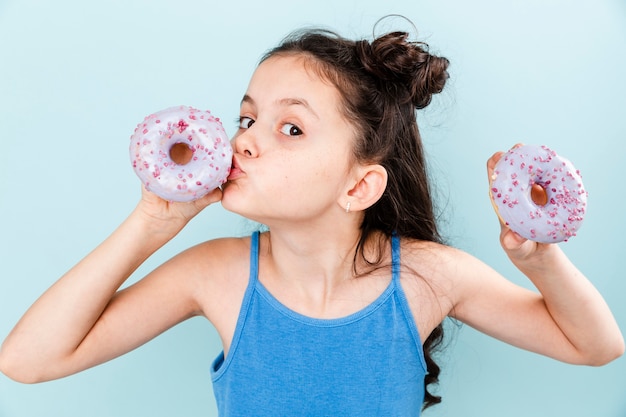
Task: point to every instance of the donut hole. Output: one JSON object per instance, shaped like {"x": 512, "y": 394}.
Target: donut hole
{"x": 538, "y": 194}
{"x": 181, "y": 153}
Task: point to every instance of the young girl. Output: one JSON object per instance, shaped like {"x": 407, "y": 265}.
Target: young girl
{"x": 336, "y": 308}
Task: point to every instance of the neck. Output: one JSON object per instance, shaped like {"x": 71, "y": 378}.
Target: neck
{"x": 311, "y": 259}
{"x": 311, "y": 273}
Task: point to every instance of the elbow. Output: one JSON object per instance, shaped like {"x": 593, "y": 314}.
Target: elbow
{"x": 609, "y": 353}
{"x": 614, "y": 351}
{"x": 19, "y": 375}
{"x": 15, "y": 373}
{"x": 30, "y": 367}
{"x": 617, "y": 352}
{"x": 13, "y": 368}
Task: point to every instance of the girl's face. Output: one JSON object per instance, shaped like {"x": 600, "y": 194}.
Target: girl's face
{"x": 293, "y": 149}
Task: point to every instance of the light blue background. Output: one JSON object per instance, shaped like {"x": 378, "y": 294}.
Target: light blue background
{"x": 77, "y": 76}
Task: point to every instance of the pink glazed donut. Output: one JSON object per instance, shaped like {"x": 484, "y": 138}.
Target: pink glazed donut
{"x": 538, "y": 194}
{"x": 181, "y": 153}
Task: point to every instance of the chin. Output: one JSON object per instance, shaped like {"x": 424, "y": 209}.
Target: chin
{"x": 227, "y": 198}
{"x": 232, "y": 200}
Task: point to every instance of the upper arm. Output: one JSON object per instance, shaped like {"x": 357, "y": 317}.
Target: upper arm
{"x": 488, "y": 302}
{"x": 181, "y": 288}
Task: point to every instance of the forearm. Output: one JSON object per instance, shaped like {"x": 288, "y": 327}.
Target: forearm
{"x": 60, "y": 319}
{"x": 575, "y": 305}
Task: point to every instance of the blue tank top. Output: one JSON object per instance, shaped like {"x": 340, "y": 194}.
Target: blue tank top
{"x": 282, "y": 363}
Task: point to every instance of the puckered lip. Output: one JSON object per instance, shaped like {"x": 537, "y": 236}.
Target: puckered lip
{"x": 235, "y": 170}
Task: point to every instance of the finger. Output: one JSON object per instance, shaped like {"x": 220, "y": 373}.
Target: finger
{"x": 491, "y": 162}
{"x": 212, "y": 197}
{"x": 510, "y": 240}
{"x": 148, "y": 195}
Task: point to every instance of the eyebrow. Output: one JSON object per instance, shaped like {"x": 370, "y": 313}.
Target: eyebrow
{"x": 286, "y": 102}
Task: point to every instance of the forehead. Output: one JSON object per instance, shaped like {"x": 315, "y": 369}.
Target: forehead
{"x": 288, "y": 76}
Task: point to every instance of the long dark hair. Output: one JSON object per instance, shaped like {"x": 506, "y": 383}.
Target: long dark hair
{"x": 382, "y": 83}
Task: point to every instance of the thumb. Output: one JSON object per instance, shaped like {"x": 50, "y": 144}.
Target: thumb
{"x": 210, "y": 198}
{"x": 510, "y": 240}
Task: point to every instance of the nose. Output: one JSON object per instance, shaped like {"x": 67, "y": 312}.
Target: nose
{"x": 245, "y": 144}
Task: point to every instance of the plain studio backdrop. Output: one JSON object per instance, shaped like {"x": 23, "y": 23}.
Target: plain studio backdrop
{"x": 76, "y": 77}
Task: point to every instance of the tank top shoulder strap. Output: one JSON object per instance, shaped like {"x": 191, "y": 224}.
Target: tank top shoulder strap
{"x": 221, "y": 363}
{"x": 404, "y": 304}
{"x": 395, "y": 258}
{"x": 254, "y": 257}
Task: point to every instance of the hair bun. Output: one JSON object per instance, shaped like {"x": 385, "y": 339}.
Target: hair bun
{"x": 406, "y": 69}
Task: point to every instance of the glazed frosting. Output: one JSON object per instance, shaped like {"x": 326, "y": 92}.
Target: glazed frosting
{"x": 524, "y": 167}
{"x": 200, "y": 135}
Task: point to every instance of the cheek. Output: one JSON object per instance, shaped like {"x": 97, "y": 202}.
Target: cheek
{"x": 322, "y": 167}
{"x": 323, "y": 176}
{"x": 333, "y": 163}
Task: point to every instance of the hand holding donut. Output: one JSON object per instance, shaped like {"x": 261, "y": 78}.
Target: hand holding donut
{"x": 166, "y": 218}
{"x": 181, "y": 155}
{"x": 517, "y": 246}
{"x": 537, "y": 194}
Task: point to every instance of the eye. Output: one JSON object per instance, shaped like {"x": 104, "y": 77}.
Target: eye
{"x": 291, "y": 130}
{"x": 245, "y": 122}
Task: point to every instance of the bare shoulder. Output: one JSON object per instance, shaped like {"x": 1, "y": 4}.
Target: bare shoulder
{"x": 220, "y": 269}
{"x": 221, "y": 263}
{"x": 442, "y": 266}
{"x": 432, "y": 262}
{"x": 222, "y": 254}
{"x": 434, "y": 277}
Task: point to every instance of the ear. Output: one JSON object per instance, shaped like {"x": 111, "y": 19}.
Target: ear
{"x": 369, "y": 185}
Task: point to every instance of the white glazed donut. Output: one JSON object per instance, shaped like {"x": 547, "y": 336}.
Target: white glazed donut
{"x": 538, "y": 169}
{"x": 181, "y": 153}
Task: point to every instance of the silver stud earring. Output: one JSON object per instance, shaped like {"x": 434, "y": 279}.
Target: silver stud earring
{"x": 348, "y": 207}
